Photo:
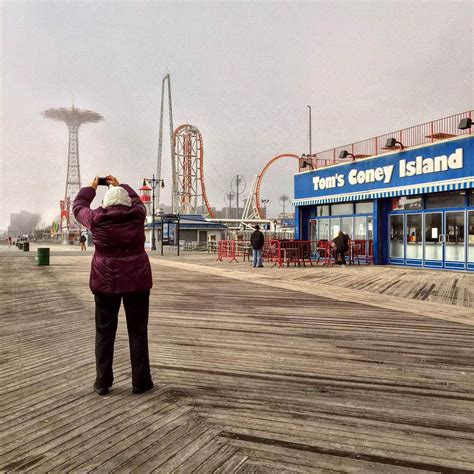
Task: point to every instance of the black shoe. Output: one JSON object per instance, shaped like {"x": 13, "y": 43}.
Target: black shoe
{"x": 101, "y": 390}
{"x": 145, "y": 388}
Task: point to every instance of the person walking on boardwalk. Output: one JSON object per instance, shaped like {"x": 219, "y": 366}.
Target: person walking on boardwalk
{"x": 257, "y": 240}
{"x": 120, "y": 269}
{"x": 82, "y": 241}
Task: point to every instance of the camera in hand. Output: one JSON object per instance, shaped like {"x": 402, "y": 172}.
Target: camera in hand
{"x": 103, "y": 182}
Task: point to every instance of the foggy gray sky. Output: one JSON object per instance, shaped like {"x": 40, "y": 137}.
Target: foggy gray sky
{"x": 242, "y": 72}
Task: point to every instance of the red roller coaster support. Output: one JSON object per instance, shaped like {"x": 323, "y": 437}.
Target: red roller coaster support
{"x": 260, "y": 177}
{"x": 189, "y": 152}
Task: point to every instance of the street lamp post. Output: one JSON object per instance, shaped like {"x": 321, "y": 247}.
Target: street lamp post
{"x": 265, "y": 202}
{"x": 153, "y": 183}
{"x": 310, "y": 145}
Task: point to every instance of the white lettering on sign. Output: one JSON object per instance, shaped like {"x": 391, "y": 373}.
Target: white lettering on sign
{"x": 383, "y": 173}
{"x": 329, "y": 182}
{"x": 406, "y": 169}
{"x": 422, "y": 165}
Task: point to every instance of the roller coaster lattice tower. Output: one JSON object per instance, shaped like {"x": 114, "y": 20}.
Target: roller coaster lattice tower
{"x": 189, "y": 154}
{"x": 188, "y": 192}
{"x": 73, "y": 118}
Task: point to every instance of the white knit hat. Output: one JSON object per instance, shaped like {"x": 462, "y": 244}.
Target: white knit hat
{"x": 116, "y": 195}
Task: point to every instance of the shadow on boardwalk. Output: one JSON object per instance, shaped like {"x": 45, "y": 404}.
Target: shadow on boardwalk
{"x": 248, "y": 377}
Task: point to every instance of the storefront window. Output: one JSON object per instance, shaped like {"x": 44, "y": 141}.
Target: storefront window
{"x": 365, "y": 207}
{"x": 323, "y": 229}
{"x": 405, "y": 203}
{"x": 396, "y": 236}
{"x": 359, "y": 228}
{"x": 322, "y": 211}
{"x": 370, "y": 228}
{"x": 313, "y": 230}
{"x": 334, "y": 227}
{"x": 343, "y": 208}
{"x": 442, "y": 200}
{"x": 414, "y": 236}
{"x": 470, "y": 236}
{"x": 471, "y": 197}
{"x": 346, "y": 225}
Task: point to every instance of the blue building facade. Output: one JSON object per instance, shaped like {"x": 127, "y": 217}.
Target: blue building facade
{"x": 416, "y": 205}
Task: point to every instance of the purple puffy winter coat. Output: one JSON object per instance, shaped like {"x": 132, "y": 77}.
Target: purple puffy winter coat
{"x": 120, "y": 264}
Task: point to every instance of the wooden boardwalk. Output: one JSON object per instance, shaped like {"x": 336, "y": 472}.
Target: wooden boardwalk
{"x": 435, "y": 286}
{"x": 248, "y": 377}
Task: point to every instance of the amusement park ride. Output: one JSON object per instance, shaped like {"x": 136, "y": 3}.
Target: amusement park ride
{"x": 68, "y": 227}
{"x": 187, "y": 162}
{"x": 187, "y": 165}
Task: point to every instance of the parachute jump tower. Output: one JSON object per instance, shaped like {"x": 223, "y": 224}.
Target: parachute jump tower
{"x": 73, "y": 118}
{"x": 187, "y": 164}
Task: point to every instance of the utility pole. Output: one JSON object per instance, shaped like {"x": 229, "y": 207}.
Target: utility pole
{"x": 236, "y": 182}
{"x": 265, "y": 202}
{"x": 228, "y": 200}
{"x": 283, "y": 200}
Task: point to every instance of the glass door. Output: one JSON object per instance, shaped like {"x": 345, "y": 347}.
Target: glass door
{"x": 396, "y": 250}
{"x": 434, "y": 239}
{"x": 414, "y": 239}
{"x": 455, "y": 254}
{"x": 470, "y": 240}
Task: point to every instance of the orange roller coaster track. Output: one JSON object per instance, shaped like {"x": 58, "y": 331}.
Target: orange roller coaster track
{"x": 262, "y": 173}
{"x": 189, "y": 153}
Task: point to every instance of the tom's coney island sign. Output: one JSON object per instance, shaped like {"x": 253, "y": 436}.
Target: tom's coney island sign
{"x": 406, "y": 169}
{"x": 449, "y": 162}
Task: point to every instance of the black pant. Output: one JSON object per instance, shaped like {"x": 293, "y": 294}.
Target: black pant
{"x": 106, "y": 318}
{"x": 341, "y": 254}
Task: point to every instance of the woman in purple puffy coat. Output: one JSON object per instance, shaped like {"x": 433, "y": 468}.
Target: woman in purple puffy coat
{"x": 120, "y": 270}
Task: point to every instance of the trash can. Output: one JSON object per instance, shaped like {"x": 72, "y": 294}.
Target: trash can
{"x": 43, "y": 256}
{"x": 26, "y": 246}
{"x": 20, "y": 246}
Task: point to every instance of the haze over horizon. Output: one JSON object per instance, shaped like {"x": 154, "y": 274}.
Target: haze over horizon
{"x": 242, "y": 73}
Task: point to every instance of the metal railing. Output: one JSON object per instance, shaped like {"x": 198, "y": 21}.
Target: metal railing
{"x": 296, "y": 252}
{"x": 428, "y": 132}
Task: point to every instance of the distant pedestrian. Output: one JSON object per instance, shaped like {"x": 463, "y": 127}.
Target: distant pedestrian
{"x": 9, "y": 241}
{"x": 120, "y": 270}
{"x": 257, "y": 240}
{"x": 341, "y": 243}
{"x": 82, "y": 241}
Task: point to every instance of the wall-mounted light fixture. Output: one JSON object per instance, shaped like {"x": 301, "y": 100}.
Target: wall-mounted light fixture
{"x": 465, "y": 123}
{"x": 344, "y": 154}
{"x": 391, "y": 142}
{"x": 306, "y": 161}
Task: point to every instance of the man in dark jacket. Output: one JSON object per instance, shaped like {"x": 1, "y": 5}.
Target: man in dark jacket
{"x": 120, "y": 269}
{"x": 257, "y": 241}
{"x": 342, "y": 246}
